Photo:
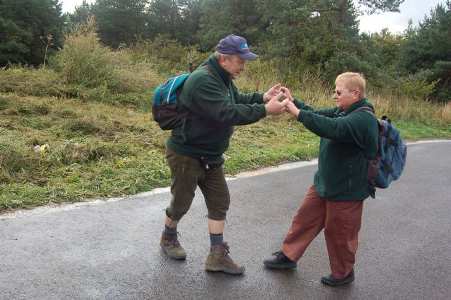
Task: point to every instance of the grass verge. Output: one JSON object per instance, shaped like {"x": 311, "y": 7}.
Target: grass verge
{"x": 55, "y": 150}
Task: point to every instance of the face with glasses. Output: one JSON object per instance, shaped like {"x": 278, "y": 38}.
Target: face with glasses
{"x": 345, "y": 97}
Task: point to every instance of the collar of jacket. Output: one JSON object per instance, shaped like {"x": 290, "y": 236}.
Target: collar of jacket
{"x": 213, "y": 62}
{"x": 354, "y": 106}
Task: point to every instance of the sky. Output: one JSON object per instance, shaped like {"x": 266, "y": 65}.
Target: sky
{"x": 415, "y": 10}
{"x": 69, "y": 5}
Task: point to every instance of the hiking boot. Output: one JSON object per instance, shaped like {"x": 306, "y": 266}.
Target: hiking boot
{"x": 330, "y": 280}
{"x": 219, "y": 261}
{"x": 279, "y": 261}
{"x": 172, "y": 248}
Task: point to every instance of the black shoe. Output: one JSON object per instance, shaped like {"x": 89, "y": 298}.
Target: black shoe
{"x": 279, "y": 261}
{"x": 329, "y": 280}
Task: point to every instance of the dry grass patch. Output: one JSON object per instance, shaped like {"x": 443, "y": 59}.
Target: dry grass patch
{"x": 446, "y": 113}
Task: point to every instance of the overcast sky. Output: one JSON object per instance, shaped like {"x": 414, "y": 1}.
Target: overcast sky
{"x": 395, "y": 22}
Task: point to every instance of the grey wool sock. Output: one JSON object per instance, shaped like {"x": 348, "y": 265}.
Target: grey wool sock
{"x": 170, "y": 232}
{"x": 216, "y": 239}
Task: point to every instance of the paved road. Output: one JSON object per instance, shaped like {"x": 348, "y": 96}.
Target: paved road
{"x": 110, "y": 250}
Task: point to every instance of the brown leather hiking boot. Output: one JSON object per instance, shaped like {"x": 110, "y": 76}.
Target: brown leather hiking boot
{"x": 172, "y": 248}
{"x": 219, "y": 261}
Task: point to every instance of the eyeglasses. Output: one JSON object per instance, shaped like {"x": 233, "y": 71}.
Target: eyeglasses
{"x": 338, "y": 93}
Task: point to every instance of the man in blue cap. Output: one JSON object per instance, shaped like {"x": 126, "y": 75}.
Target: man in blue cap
{"x": 194, "y": 151}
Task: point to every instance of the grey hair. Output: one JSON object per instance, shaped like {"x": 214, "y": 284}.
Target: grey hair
{"x": 218, "y": 55}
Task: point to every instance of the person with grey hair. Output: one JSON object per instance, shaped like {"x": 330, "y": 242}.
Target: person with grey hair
{"x": 194, "y": 151}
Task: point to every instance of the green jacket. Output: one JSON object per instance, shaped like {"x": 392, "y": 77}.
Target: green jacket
{"x": 347, "y": 141}
{"x": 214, "y": 106}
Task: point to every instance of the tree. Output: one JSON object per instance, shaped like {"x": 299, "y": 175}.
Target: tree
{"x": 310, "y": 35}
{"x": 175, "y": 19}
{"x": 191, "y": 14}
{"x": 14, "y": 46}
{"x": 165, "y": 18}
{"x": 373, "y": 6}
{"x": 381, "y": 52}
{"x": 222, "y": 17}
{"x": 426, "y": 53}
{"x": 120, "y": 21}
{"x": 29, "y": 30}
{"x": 318, "y": 35}
{"x": 80, "y": 14}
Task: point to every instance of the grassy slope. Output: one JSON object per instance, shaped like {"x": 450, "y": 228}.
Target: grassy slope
{"x": 100, "y": 150}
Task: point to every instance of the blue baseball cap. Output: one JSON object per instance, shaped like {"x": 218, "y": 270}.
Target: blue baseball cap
{"x": 234, "y": 44}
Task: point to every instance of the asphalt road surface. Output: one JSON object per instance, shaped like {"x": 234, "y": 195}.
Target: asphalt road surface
{"x": 110, "y": 249}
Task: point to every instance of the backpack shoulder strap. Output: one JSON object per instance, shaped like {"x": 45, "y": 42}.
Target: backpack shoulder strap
{"x": 379, "y": 126}
{"x": 177, "y": 82}
{"x": 365, "y": 108}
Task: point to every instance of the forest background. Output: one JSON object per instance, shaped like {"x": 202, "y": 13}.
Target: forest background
{"x": 75, "y": 88}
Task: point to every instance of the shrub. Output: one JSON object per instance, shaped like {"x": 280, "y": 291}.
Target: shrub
{"x": 137, "y": 77}
{"x": 84, "y": 61}
{"x": 94, "y": 72}
{"x": 167, "y": 55}
{"x": 417, "y": 86}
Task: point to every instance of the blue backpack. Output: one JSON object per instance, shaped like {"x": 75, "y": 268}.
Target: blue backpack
{"x": 164, "y": 103}
{"x": 391, "y": 154}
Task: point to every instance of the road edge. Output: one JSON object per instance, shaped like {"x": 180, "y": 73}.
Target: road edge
{"x": 51, "y": 208}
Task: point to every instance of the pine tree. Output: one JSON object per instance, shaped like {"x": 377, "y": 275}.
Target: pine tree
{"x": 120, "y": 21}
{"x": 29, "y": 30}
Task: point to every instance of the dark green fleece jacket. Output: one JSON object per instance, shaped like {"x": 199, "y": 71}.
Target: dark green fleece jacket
{"x": 214, "y": 106}
{"x": 347, "y": 141}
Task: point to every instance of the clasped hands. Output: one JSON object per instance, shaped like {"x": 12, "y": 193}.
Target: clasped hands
{"x": 278, "y": 99}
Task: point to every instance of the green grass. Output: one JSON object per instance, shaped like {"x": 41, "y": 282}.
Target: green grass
{"x": 100, "y": 150}
{"x": 414, "y": 131}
